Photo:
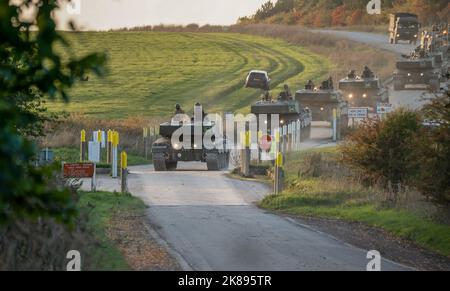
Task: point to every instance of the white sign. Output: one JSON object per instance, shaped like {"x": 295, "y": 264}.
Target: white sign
{"x": 383, "y": 108}
{"x": 358, "y": 112}
{"x": 94, "y": 152}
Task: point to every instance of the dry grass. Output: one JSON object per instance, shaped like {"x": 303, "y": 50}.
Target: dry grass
{"x": 66, "y": 133}
{"x": 345, "y": 54}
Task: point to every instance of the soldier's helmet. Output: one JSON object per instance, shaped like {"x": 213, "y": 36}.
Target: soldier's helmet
{"x": 178, "y": 107}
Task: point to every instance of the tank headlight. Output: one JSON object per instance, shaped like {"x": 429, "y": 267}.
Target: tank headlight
{"x": 177, "y": 146}
{"x": 364, "y": 95}
{"x": 195, "y": 146}
{"x": 415, "y": 35}
{"x": 409, "y": 74}
{"x": 322, "y": 109}
{"x": 349, "y": 96}
{"x": 421, "y": 74}
{"x": 282, "y": 121}
{"x": 398, "y": 35}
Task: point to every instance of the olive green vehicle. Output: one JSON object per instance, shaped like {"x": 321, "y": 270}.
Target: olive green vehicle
{"x": 362, "y": 91}
{"x": 419, "y": 68}
{"x": 322, "y": 101}
{"x": 285, "y": 106}
{"x": 167, "y": 154}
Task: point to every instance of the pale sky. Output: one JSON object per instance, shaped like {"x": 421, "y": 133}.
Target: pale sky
{"x": 106, "y": 14}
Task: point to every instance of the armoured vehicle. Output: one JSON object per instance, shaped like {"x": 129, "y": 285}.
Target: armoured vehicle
{"x": 288, "y": 109}
{"x": 167, "y": 154}
{"x": 362, "y": 91}
{"x": 321, "y": 101}
{"x": 418, "y": 68}
{"x": 403, "y": 26}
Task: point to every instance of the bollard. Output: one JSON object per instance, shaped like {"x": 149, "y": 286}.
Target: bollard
{"x": 109, "y": 147}
{"x": 145, "y": 138}
{"x": 334, "y": 125}
{"x": 83, "y": 146}
{"x": 279, "y": 174}
{"x": 245, "y": 154}
{"x": 115, "y": 144}
{"x": 124, "y": 171}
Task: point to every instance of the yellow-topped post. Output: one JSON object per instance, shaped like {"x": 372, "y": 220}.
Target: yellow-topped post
{"x": 124, "y": 171}
{"x": 83, "y": 145}
{"x": 108, "y": 147}
{"x": 114, "y": 151}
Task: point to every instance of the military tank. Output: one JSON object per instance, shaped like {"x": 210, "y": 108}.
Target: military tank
{"x": 419, "y": 68}
{"x": 167, "y": 153}
{"x": 322, "y": 101}
{"x": 362, "y": 91}
{"x": 285, "y": 106}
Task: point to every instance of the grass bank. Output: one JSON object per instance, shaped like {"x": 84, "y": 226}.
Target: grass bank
{"x": 318, "y": 189}
{"x": 99, "y": 208}
{"x": 72, "y": 155}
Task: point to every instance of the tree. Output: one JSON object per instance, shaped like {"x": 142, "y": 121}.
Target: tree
{"x": 30, "y": 70}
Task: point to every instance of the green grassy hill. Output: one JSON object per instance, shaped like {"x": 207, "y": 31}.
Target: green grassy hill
{"x": 149, "y": 72}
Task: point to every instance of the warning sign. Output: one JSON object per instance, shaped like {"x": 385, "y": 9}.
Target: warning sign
{"x": 79, "y": 170}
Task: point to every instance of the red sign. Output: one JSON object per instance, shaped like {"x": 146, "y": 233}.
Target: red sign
{"x": 79, "y": 170}
{"x": 265, "y": 143}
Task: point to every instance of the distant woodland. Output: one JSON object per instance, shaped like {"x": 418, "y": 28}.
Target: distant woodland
{"x": 329, "y": 13}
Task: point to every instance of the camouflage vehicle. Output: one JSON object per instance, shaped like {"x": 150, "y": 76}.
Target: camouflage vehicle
{"x": 403, "y": 26}
{"x": 321, "y": 101}
{"x": 288, "y": 110}
{"x": 362, "y": 91}
{"x": 418, "y": 68}
{"x": 285, "y": 106}
{"x": 167, "y": 154}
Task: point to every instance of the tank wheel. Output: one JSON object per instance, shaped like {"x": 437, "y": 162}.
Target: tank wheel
{"x": 434, "y": 85}
{"x": 172, "y": 165}
{"x": 159, "y": 164}
{"x": 213, "y": 162}
{"x": 398, "y": 85}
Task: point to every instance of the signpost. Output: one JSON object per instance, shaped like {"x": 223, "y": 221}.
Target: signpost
{"x": 383, "y": 109}
{"x": 81, "y": 170}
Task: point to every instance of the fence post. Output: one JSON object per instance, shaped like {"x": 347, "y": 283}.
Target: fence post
{"x": 245, "y": 153}
{"x": 83, "y": 146}
{"x": 115, "y": 144}
{"x": 145, "y": 137}
{"x": 124, "y": 172}
{"x": 279, "y": 174}
{"x": 109, "y": 147}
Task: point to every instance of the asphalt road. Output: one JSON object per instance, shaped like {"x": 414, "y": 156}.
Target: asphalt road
{"x": 414, "y": 97}
{"x": 211, "y": 222}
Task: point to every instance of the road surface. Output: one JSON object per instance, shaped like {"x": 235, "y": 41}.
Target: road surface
{"x": 211, "y": 222}
{"x": 412, "y": 97}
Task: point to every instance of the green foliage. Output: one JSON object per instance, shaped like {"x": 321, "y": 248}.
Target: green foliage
{"x": 434, "y": 178}
{"x": 385, "y": 151}
{"x": 30, "y": 69}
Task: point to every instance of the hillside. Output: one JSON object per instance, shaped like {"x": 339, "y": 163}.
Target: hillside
{"x": 331, "y": 13}
{"x": 149, "y": 72}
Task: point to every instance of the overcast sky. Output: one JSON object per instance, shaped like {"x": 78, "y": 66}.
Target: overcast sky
{"x": 106, "y": 14}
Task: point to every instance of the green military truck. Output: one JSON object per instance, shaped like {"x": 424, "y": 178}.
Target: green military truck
{"x": 403, "y": 26}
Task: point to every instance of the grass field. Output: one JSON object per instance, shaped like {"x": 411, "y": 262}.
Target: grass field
{"x": 343, "y": 199}
{"x": 149, "y": 72}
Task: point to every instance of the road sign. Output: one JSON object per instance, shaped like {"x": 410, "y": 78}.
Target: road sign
{"x": 358, "y": 112}
{"x": 384, "y": 108}
{"x": 79, "y": 170}
{"x": 94, "y": 152}
{"x": 265, "y": 142}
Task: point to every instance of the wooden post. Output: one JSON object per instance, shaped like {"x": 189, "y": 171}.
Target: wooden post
{"x": 124, "y": 172}
{"x": 83, "y": 146}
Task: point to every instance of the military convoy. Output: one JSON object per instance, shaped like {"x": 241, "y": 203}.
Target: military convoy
{"x": 362, "y": 91}
{"x": 167, "y": 154}
{"x": 285, "y": 106}
{"x": 322, "y": 101}
{"x": 403, "y": 26}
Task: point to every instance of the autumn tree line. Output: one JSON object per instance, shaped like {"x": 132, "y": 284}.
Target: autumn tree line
{"x": 327, "y": 13}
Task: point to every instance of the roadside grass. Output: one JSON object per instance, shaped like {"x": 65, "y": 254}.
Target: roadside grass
{"x": 346, "y": 199}
{"x": 99, "y": 207}
{"x": 149, "y": 72}
{"x": 72, "y": 155}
